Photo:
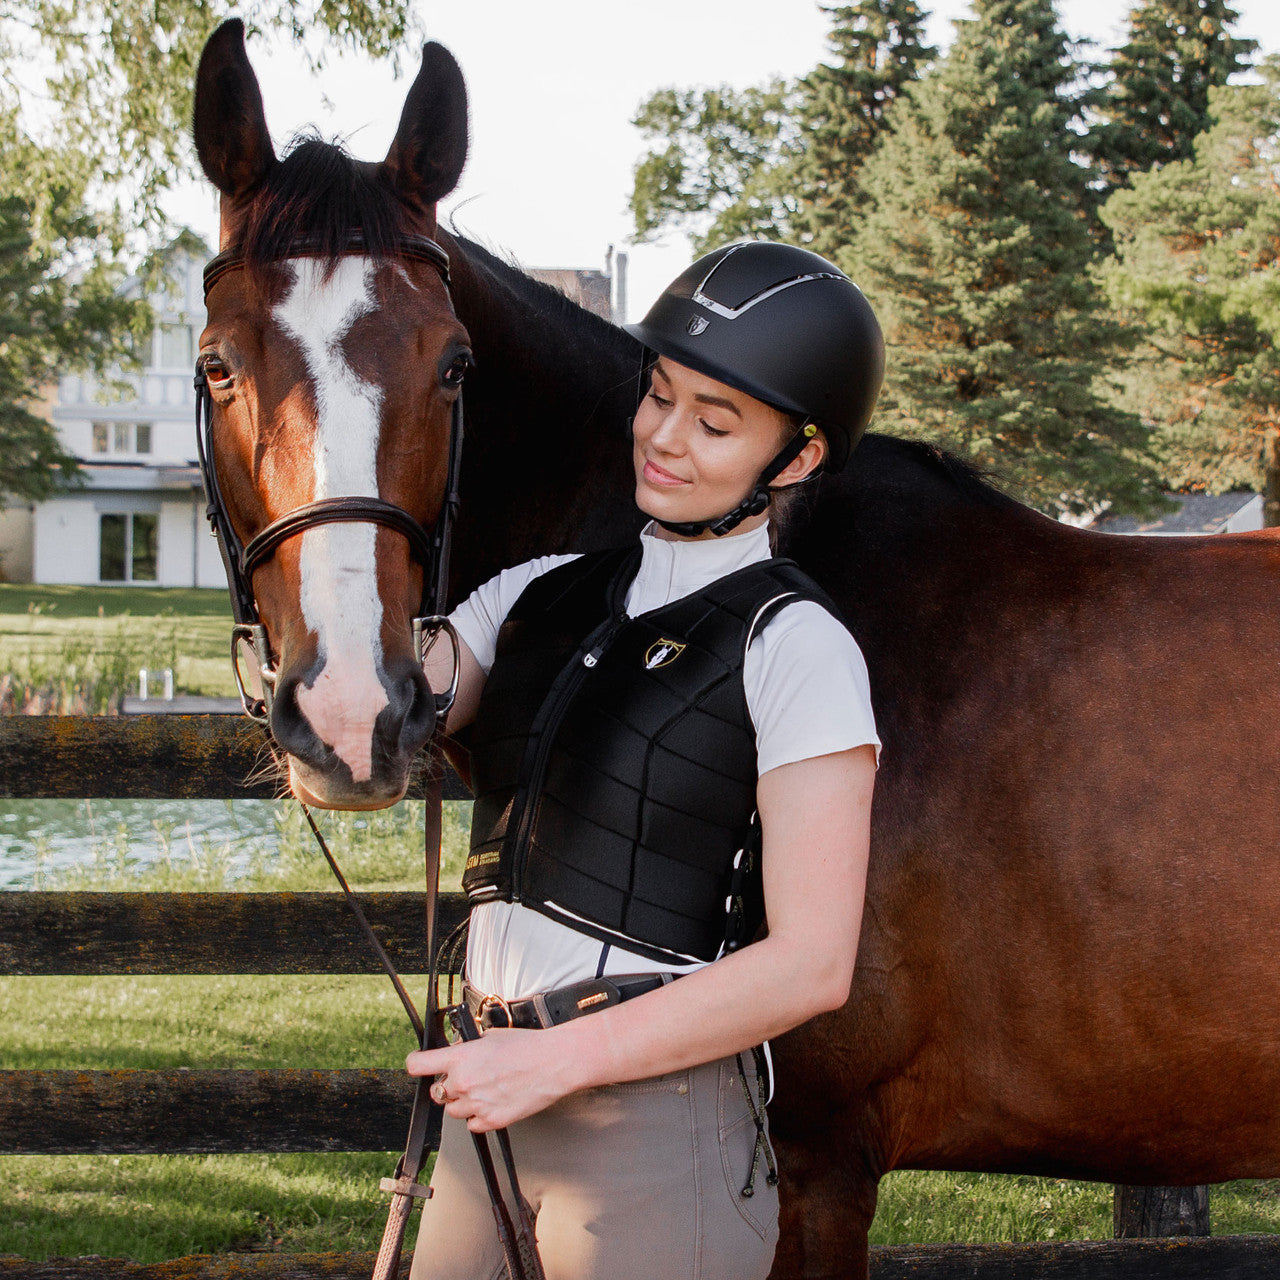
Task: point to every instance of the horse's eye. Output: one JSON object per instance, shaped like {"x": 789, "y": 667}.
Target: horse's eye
{"x": 457, "y": 370}
{"x": 216, "y": 373}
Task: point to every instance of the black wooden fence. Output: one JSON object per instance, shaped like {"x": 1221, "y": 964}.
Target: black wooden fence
{"x": 179, "y": 1111}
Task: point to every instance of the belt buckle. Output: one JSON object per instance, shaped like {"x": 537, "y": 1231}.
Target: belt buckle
{"x": 493, "y": 1002}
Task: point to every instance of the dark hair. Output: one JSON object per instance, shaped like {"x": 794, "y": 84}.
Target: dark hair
{"x": 786, "y": 502}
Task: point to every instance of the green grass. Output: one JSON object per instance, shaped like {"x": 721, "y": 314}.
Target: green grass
{"x": 380, "y": 850}
{"x": 80, "y": 648}
{"x": 17, "y": 599}
{"x": 151, "y": 1208}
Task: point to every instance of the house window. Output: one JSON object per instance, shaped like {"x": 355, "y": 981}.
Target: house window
{"x": 127, "y": 547}
{"x": 176, "y": 346}
{"x": 122, "y": 437}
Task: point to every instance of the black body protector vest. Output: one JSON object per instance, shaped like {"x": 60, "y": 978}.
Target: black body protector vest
{"x": 613, "y": 758}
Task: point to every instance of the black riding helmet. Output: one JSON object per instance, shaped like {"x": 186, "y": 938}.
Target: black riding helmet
{"x": 787, "y": 327}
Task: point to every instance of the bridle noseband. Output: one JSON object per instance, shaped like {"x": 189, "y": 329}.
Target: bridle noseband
{"x": 430, "y": 548}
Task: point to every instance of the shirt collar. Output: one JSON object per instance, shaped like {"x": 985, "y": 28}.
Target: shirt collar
{"x": 672, "y": 569}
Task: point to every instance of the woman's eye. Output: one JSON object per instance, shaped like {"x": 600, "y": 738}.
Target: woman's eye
{"x": 710, "y": 430}
{"x": 659, "y": 401}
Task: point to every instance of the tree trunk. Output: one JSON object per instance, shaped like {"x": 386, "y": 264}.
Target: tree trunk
{"x": 1271, "y": 477}
{"x": 1160, "y": 1211}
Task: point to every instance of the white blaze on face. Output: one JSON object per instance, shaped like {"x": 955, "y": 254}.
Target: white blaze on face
{"x": 339, "y": 595}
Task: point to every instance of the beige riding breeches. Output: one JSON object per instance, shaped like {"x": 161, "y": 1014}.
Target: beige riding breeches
{"x": 638, "y": 1181}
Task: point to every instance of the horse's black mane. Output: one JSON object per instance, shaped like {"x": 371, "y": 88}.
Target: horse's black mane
{"x": 318, "y": 193}
{"x": 959, "y": 474}
{"x": 545, "y": 301}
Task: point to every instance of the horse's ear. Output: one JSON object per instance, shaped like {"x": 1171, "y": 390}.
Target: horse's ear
{"x": 430, "y": 146}
{"x": 231, "y": 134}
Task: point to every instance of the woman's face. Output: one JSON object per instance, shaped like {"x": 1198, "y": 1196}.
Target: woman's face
{"x": 699, "y": 446}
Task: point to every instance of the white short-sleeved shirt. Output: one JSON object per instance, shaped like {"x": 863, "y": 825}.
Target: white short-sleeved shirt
{"x": 806, "y": 688}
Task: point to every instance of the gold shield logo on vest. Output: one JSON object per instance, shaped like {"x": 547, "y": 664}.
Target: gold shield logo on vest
{"x": 662, "y": 653}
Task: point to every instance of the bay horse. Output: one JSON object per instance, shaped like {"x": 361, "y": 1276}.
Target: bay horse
{"x": 1065, "y": 965}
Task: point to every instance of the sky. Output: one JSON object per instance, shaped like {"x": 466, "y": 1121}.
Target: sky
{"x": 553, "y": 87}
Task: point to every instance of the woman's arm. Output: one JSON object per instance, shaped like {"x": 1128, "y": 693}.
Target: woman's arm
{"x": 815, "y": 816}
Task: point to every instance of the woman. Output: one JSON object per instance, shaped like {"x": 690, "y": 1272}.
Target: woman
{"x": 644, "y": 720}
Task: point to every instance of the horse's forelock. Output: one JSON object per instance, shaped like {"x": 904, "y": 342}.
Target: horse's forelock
{"x": 318, "y": 193}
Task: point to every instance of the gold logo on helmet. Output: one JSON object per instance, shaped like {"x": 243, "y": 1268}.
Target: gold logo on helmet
{"x": 661, "y": 653}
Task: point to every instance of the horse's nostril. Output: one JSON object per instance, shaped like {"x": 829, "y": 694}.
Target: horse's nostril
{"x": 290, "y": 728}
{"x": 412, "y": 708}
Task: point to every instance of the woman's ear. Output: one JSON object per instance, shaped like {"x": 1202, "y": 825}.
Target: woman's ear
{"x": 804, "y": 464}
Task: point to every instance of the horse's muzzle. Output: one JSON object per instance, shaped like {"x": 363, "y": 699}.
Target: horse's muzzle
{"x": 352, "y": 753}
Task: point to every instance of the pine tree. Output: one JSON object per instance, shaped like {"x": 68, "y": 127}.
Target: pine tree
{"x": 1158, "y": 97}
{"x": 1197, "y": 258}
{"x": 976, "y": 247}
{"x": 878, "y": 48}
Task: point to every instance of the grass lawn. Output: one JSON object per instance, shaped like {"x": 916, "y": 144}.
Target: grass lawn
{"x": 59, "y": 637}
{"x": 91, "y": 602}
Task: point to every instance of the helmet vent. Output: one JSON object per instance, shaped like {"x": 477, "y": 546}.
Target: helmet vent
{"x": 732, "y": 313}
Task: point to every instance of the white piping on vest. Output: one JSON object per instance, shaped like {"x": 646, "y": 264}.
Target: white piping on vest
{"x": 751, "y": 630}
{"x": 339, "y": 593}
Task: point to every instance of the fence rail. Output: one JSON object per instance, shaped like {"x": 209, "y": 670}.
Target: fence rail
{"x": 63, "y": 934}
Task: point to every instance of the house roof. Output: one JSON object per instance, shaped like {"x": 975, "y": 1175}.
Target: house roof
{"x": 140, "y": 475}
{"x": 1196, "y": 513}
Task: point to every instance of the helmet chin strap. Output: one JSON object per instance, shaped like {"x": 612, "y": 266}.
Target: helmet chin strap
{"x": 756, "y": 502}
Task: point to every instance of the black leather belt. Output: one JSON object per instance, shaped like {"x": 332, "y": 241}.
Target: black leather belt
{"x": 562, "y": 1005}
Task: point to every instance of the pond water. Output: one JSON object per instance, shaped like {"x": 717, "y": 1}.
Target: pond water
{"x": 47, "y": 835}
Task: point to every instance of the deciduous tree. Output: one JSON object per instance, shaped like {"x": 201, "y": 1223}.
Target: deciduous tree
{"x": 720, "y": 165}
{"x": 95, "y": 104}
{"x": 779, "y": 160}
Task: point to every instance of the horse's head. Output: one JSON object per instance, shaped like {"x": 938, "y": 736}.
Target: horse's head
{"x": 333, "y": 360}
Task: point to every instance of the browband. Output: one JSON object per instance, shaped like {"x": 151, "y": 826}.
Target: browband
{"x": 418, "y": 248}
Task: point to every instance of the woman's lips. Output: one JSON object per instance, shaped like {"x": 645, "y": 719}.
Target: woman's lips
{"x": 654, "y": 474}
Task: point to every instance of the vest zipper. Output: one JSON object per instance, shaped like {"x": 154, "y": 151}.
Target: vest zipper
{"x": 551, "y": 714}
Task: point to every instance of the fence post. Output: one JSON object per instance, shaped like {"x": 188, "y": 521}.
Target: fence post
{"x": 1160, "y": 1211}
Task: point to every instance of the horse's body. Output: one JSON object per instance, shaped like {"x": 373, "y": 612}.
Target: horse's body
{"x": 1065, "y": 963}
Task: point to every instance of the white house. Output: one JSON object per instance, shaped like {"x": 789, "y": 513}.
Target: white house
{"x": 139, "y": 516}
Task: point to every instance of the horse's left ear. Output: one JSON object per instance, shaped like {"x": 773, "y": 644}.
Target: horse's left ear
{"x": 430, "y": 147}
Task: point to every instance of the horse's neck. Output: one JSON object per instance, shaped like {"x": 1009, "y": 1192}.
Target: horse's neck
{"x": 546, "y": 467}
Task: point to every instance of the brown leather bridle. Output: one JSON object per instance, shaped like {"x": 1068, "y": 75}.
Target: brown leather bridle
{"x": 430, "y": 548}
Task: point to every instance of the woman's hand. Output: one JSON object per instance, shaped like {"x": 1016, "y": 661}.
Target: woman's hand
{"x": 492, "y": 1082}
